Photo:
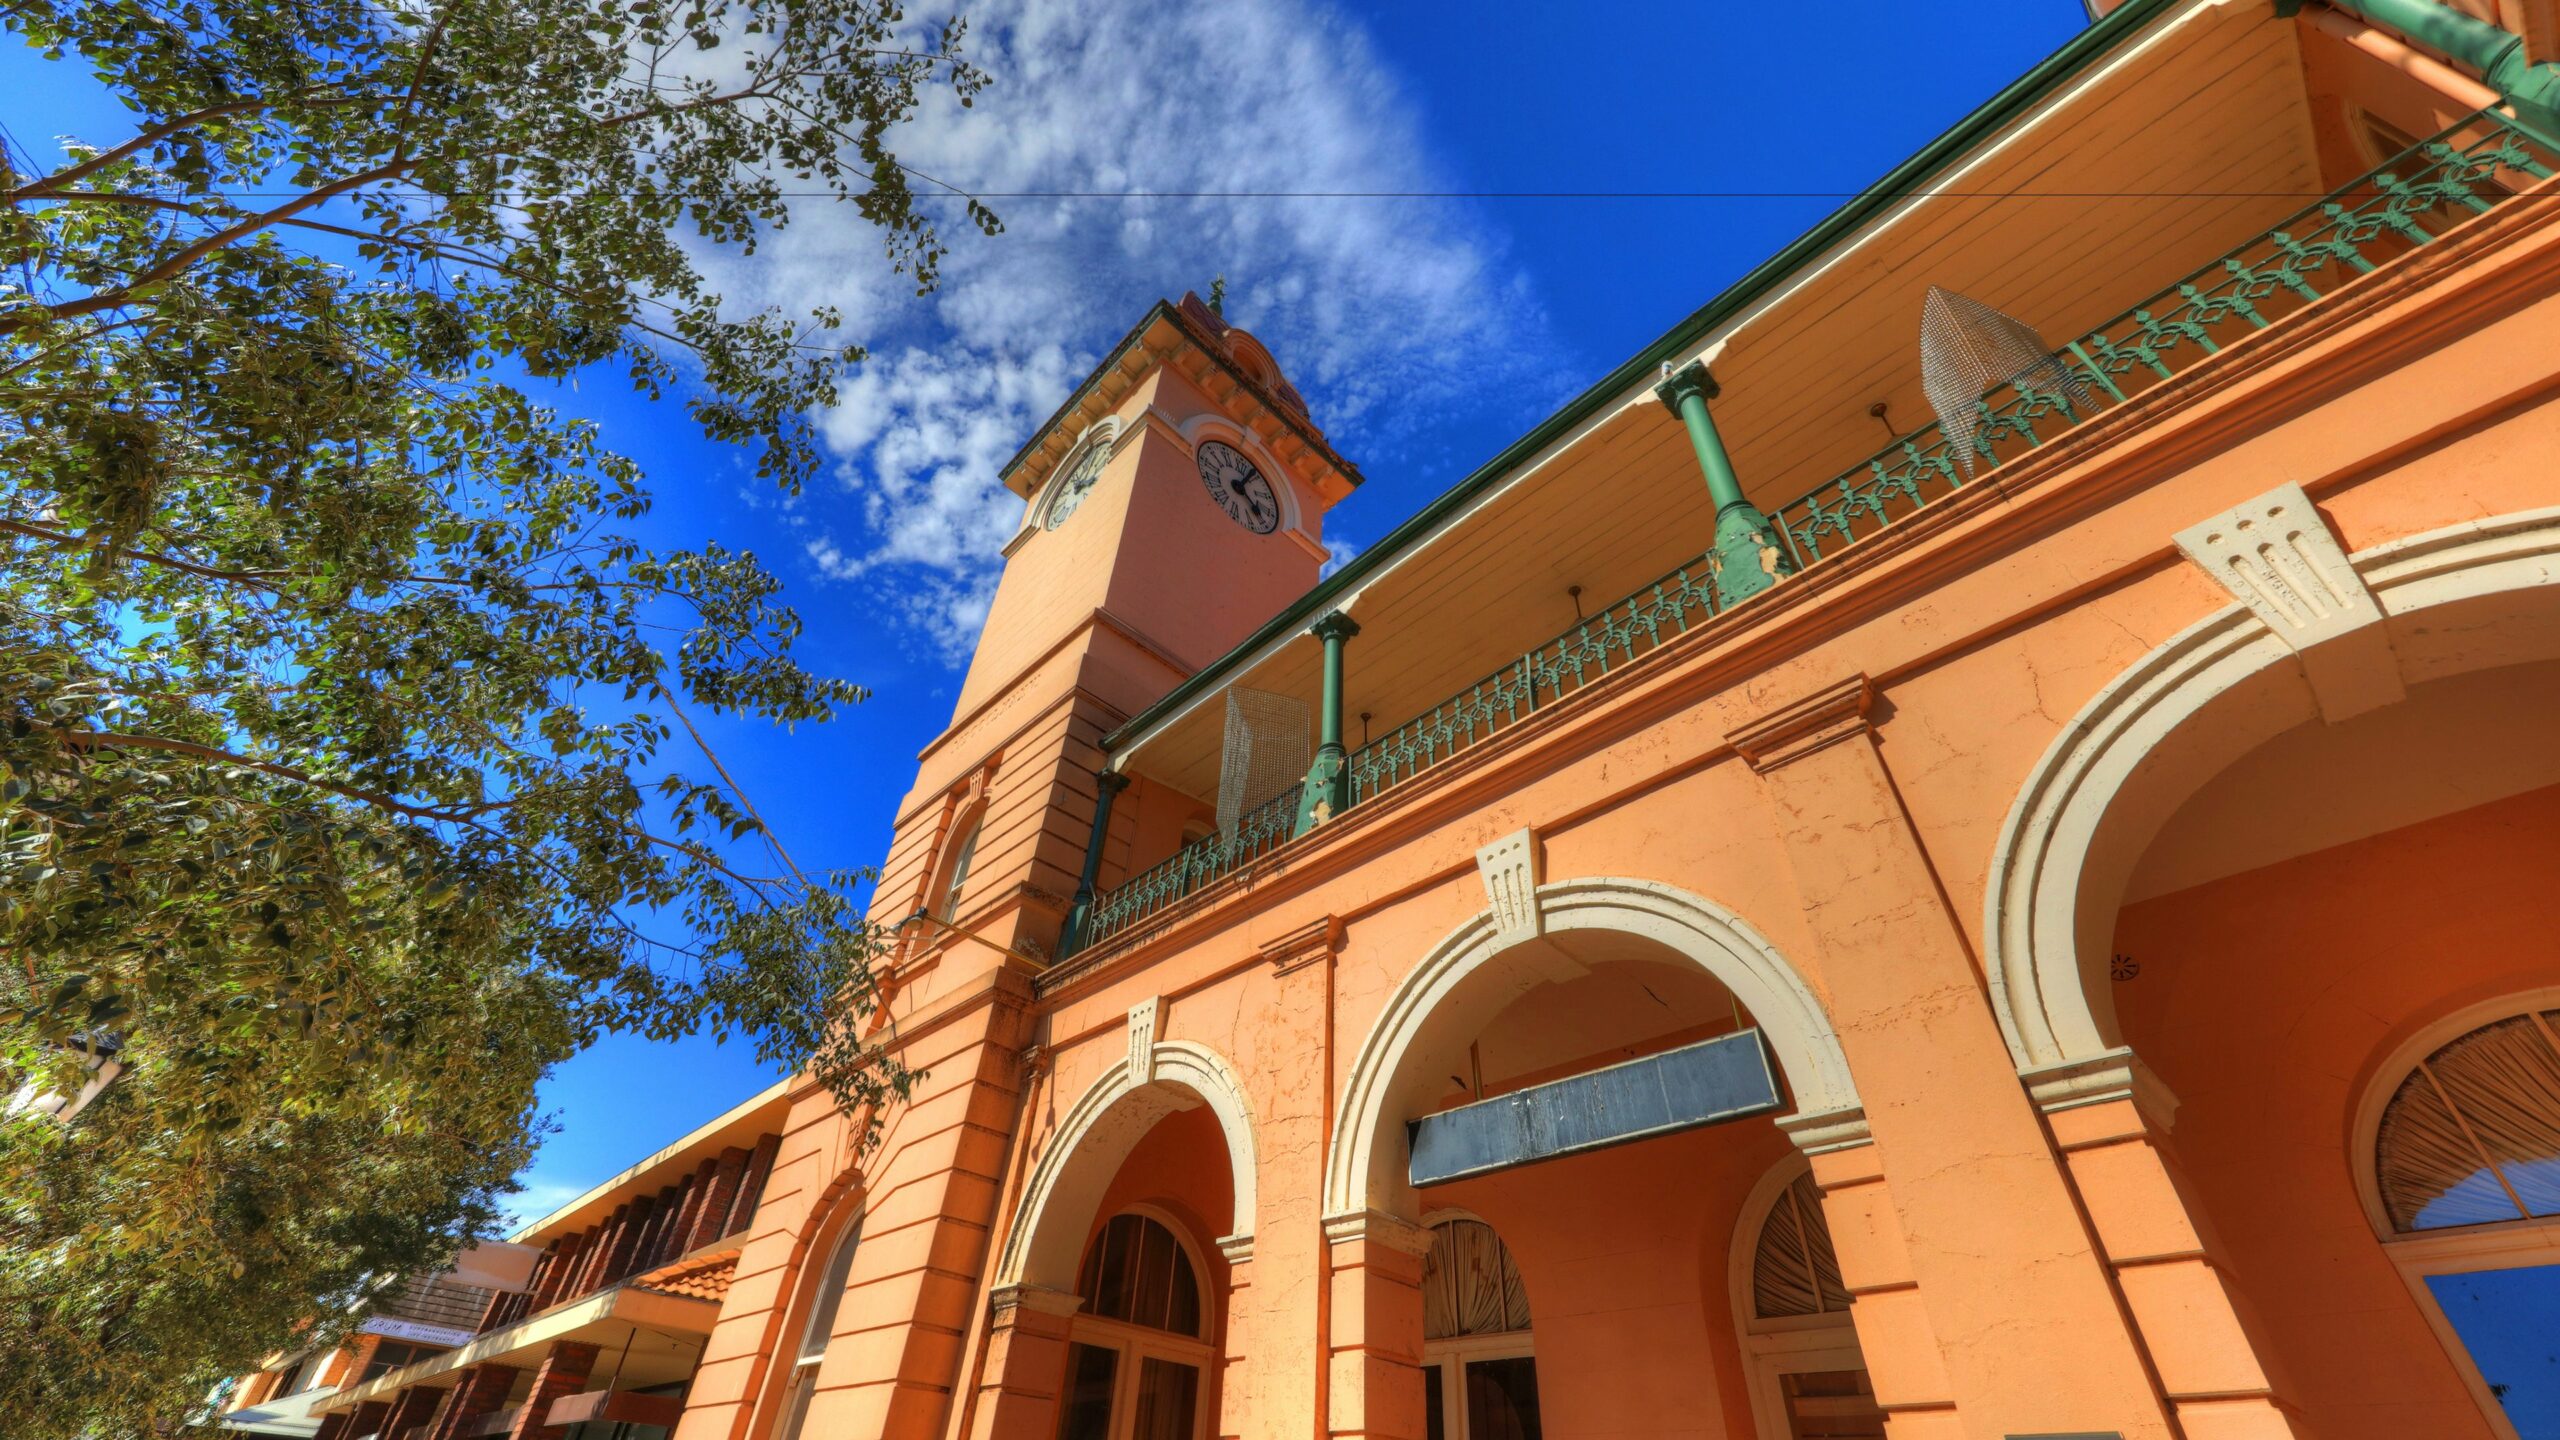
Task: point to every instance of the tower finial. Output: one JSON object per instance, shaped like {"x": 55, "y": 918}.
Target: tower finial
{"x": 1218, "y": 297}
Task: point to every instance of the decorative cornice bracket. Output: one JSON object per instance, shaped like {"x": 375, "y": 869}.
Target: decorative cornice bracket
{"x": 1820, "y": 720}
{"x": 1318, "y": 939}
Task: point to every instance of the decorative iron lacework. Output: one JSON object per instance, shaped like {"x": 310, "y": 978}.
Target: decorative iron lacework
{"x": 2411, "y": 200}
{"x": 1260, "y": 829}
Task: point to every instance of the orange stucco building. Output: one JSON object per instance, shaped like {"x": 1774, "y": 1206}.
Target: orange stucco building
{"x": 2046, "y": 932}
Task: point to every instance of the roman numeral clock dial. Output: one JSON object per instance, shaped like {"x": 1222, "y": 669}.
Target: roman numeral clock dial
{"x": 1240, "y": 489}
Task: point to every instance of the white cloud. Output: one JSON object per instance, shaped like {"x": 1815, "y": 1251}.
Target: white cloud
{"x": 1384, "y": 312}
{"x": 536, "y": 1199}
{"x": 1343, "y": 550}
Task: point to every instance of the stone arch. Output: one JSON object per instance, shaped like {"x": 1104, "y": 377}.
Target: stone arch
{"x": 2177, "y": 717}
{"x": 1115, "y": 1112}
{"x": 1360, "y": 1170}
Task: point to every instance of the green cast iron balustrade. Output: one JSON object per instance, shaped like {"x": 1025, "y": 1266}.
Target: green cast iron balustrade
{"x": 2410, "y": 201}
{"x": 1194, "y": 865}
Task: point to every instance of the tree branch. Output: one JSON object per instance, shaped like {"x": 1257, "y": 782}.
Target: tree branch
{"x": 262, "y": 579}
{"x": 153, "y": 135}
{"x": 179, "y": 263}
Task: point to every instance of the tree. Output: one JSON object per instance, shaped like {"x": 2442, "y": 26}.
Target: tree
{"x": 351, "y": 769}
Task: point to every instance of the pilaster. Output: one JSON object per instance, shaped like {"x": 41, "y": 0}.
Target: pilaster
{"x": 1988, "y": 1263}
{"x": 1906, "y": 1363}
{"x": 2110, "y": 1117}
{"x": 365, "y": 1421}
{"x": 410, "y": 1408}
{"x": 1026, "y": 1361}
{"x": 1274, "y": 1377}
{"x": 930, "y": 1194}
{"x": 479, "y": 1391}
{"x": 1374, "y": 1356}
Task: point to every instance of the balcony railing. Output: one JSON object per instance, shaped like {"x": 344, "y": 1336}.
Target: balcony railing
{"x": 2412, "y": 200}
{"x": 1258, "y": 830}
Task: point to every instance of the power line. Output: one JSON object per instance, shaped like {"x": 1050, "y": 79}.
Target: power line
{"x": 1365, "y": 194}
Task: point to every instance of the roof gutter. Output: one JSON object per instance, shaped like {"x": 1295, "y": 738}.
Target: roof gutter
{"x": 1912, "y": 174}
{"x": 2496, "y": 55}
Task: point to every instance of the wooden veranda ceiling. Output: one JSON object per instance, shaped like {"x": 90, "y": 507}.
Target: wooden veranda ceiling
{"x": 2192, "y": 141}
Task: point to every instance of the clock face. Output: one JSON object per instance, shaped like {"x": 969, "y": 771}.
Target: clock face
{"x": 1239, "y": 488}
{"x": 1077, "y": 485}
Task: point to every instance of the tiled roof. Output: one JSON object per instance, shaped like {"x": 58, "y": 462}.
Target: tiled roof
{"x": 701, "y": 1278}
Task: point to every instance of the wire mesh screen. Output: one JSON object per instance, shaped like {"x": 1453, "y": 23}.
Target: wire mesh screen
{"x": 1968, "y": 350}
{"x": 1267, "y": 751}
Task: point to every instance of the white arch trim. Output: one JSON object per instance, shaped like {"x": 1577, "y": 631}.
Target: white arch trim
{"x": 2034, "y": 925}
{"x": 1362, "y": 1171}
{"x": 1047, "y": 1239}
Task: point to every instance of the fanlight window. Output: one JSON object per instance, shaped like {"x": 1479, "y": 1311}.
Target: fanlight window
{"x": 2472, "y": 1137}
{"x": 1138, "y": 1273}
{"x": 1793, "y": 1270}
{"x": 1469, "y": 1284}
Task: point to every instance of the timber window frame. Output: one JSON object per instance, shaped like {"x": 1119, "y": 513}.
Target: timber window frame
{"x": 1445, "y": 1357}
{"x": 1135, "y": 1344}
{"x": 1777, "y": 1346}
{"x": 820, "y": 1305}
{"x": 951, "y": 877}
{"x": 2419, "y": 1255}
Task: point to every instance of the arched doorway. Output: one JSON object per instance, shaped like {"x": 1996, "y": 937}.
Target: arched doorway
{"x": 1139, "y": 1362}
{"x": 1624, "y": 1241}
{"x": 1481, "y": 969}
{"x": 1480, "y": 1371}
{"x": 2283, "y": 914}
{"x": 1115, "y": 1275}
{"x": 1808, "y": 1377}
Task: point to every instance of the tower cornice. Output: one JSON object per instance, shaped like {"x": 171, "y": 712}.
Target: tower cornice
{"x": 1169, "y": 336}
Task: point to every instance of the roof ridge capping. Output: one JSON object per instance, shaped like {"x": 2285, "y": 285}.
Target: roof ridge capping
{"x": 2082, "y": 51}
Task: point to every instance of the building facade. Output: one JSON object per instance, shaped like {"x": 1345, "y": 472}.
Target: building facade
{"x": 588, "y": 1328}
{"x": 1779, "y": 923}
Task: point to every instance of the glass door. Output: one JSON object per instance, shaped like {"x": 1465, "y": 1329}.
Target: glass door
{"x": 1138, "y": 1353}
{"x": 1481, "y": 1397}
{"x": 1120, "y": 1392}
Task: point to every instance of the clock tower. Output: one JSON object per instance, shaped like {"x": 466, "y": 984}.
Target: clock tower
{"x": 1171, "y": 507}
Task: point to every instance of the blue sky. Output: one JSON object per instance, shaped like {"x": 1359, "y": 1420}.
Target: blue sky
{"x": 1425, "y": 331}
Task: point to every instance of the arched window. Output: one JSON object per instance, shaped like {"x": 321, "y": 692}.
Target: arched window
{"x": 1808, "y": 1378}
{"x": 1480, "y": 1375}
{"x": 825, "y": 1300}
{"x": 955, "y": 871}
{"x": 1470, "y": 1285}
{"x": 1793, "y": 1269}
{"x": 2464, "y": 1187}
{"x": 1138, "y": 1356}
{"x": 2472, "y": 1136}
